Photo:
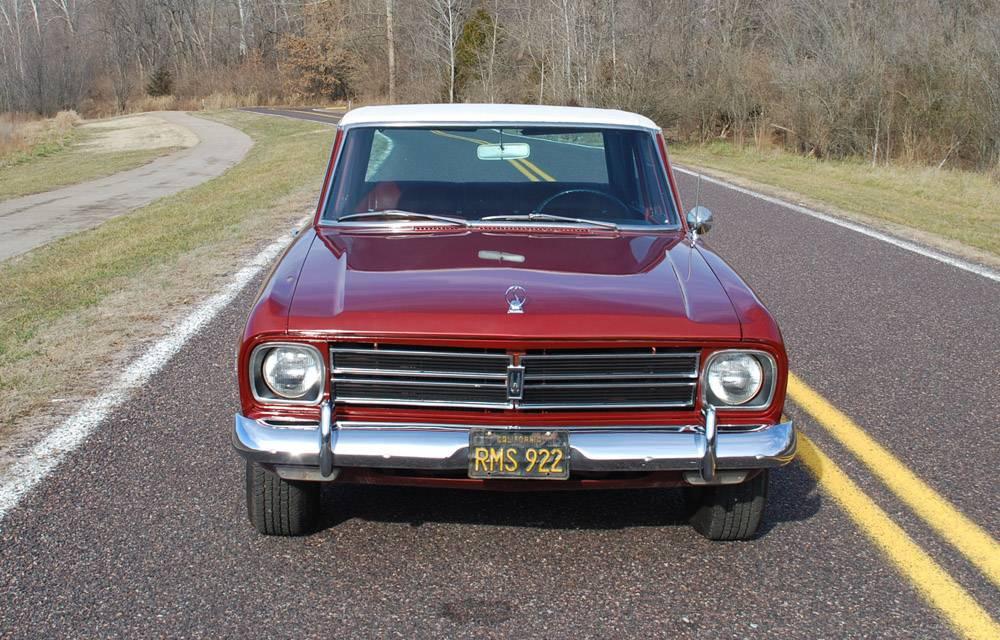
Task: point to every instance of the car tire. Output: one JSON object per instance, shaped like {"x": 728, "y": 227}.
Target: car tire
{"x": 279, "y": 507}
{"x": 731, "y": 511}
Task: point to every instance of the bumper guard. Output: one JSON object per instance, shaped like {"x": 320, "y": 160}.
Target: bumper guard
{"x": 706, "y": 454}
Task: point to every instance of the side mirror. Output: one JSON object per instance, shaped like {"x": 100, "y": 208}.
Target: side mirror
{"x": 699, "y": 220}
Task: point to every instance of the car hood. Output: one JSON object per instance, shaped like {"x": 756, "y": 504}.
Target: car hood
{"x": 597, "y": 285}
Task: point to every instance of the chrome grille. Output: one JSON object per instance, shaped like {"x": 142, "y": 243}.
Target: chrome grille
{"x": 601, "y": 378}
{"x": 407, "y": 375}
{"x": 552, "y": 379}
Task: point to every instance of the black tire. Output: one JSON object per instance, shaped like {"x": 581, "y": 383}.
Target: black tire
{"x": 731, "y": 511}
{"x": 278, "y": 507}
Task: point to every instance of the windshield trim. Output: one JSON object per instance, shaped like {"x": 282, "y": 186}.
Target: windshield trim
{"x": 477, "y": 225}
{"x": 495, "y": 124}
{"x": 338, "y": 152}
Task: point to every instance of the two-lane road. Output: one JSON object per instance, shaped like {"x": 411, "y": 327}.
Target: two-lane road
{"x": 141, "y": 531}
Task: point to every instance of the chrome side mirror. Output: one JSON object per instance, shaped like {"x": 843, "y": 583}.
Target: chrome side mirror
{"x": 699, "y": 220}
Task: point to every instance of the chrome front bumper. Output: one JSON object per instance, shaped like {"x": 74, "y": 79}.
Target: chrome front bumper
{"x": 315, "y": 452}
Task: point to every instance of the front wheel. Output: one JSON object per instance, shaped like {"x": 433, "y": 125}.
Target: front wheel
{"x": 731, "y": 511}
{"x": 279, "y": 507}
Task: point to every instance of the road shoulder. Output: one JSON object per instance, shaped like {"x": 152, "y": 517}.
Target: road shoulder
{"x": 908, "y": 234}
{"x": 74, "y": 313}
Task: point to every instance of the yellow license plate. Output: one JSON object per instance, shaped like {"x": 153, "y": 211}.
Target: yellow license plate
{"x": 499, "y": 453}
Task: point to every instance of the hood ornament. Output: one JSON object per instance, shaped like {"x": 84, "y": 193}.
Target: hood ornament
{"x": 516, "y": 297}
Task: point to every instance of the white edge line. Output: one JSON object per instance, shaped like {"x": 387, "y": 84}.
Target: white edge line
{"x": 979, "y": 270}
{"x": 31, "y": 468}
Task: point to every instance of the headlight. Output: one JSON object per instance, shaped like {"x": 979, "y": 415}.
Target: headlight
{"x": 287, "y": 372}
{"x": 739, "y": 379}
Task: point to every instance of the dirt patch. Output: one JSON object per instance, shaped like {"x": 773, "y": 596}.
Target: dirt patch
{"x": 135, "y": 133}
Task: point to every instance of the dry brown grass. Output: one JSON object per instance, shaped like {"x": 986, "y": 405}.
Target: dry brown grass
{"x": 949, "y": 208}
{"x": 13, "y": 134}
{"x": 72, "y": 154}
{"x": 72, "y": 313}
{"x": 23, "y": 136}
{"x": 214, "y": 101}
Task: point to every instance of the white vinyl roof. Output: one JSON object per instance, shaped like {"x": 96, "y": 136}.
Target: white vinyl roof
{"x": 492, "y": 114}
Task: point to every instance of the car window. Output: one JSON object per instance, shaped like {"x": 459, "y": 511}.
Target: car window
{"x": 607, "y": 174}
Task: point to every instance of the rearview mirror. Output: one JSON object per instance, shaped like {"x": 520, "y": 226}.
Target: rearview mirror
{"x": 699, "y": 220}
{"x": 510, "y": 151}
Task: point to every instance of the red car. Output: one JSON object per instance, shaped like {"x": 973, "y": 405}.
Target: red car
{"x": 507, "y": 297}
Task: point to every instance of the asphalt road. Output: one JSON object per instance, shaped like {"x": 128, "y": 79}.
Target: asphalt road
{"x": 31, "y": 221}
{"x": 142, "y": 532}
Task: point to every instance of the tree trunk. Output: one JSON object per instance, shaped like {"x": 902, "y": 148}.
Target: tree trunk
{"x": 451, "y": 52}
{"x": 390, "y": 43}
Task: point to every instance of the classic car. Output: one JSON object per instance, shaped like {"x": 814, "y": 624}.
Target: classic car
{"x": 507, "y": 297}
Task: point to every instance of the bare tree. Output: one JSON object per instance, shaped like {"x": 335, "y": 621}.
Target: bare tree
{"x": 445, "y": 19}
{"x": 390, "y": 45}
{"x": 883, "y": 80}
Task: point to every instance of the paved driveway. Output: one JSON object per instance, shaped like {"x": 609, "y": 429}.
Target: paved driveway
{"x": 31, "y": 221}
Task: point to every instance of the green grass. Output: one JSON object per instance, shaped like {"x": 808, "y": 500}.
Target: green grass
{"x": 234, "y": 212}
{"x": 44, "y": 149}
{"x": 958, "y": 205}
{"x": 58, "y": 163}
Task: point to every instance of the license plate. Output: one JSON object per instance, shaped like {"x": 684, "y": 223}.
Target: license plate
{"x": 501, "y": 453}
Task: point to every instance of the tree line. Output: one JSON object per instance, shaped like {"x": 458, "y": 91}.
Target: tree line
{"x": 913, "y": 80}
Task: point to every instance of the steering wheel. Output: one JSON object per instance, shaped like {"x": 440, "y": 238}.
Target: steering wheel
{"x": 566, "y": 192}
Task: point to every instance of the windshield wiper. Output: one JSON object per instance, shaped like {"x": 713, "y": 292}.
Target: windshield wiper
{"x": 548, "y": 217}
{"x": 403, "y": 215}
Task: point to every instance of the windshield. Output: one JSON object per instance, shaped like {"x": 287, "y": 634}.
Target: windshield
{"x": 520, "y": 174}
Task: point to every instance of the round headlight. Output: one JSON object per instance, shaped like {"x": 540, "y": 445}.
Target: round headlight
{"x": 735, "y": 378}
{"x": 291, "y": 372}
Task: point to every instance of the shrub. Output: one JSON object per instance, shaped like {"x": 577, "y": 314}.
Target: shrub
{"x": 161, "y": 83}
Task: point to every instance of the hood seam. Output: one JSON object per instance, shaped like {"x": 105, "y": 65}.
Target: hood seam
{"x": 736, "y": 312}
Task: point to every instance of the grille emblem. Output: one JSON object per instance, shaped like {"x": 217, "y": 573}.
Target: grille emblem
{"x": 515, "y": 382}
{"x": 516, "y": 297}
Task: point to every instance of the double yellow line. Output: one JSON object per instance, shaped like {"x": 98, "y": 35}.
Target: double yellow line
{"x": 929, "y": 578}
{"x": 937, "y": 587}
{"x": 528, "y": 168}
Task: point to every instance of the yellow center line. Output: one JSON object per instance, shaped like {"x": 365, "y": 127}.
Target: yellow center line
{"x": 516, "y": 163}
{"x": 970, "y": 539}
{"x": 544, "y": 175}
{"x": 933, "y": 583}
{"x": 520, "y": 168}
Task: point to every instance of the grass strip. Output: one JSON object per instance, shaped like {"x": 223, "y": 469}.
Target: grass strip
{"x": 58, "y": 164}
{"x": 957, "y": 205}
{"x": 57, "y": 300}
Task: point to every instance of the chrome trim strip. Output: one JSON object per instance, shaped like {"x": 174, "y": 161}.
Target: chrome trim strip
{"x": 420, "y": 352}
{"x": 510, "y": 405}
{"x": 326, "y": 444}
{"x": 424, "y": 403}
{"x": 711, "y": 441}
{"x": 423, "y": 383}
{"x": 469, "y": 124}
{"x": 451, "y": 426}
{"x": 606, "y": 405}
{"x": 611, "y": 385}
{"x": 445, "y": 447}
{"x": 623, "y": 376}
{"x": 417, "y": 374}
{"x": 610, "y": 354}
